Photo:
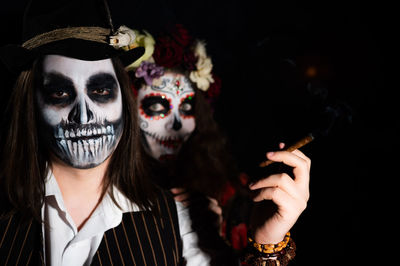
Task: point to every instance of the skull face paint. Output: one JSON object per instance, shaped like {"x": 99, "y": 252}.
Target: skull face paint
{"x": 166, "y": 114}
{"x": 81, "y": 108}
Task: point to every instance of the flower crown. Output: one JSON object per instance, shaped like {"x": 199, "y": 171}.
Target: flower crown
{"x": 174, "y": 50}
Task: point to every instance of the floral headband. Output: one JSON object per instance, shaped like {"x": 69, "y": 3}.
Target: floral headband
{"x": 177, "y": 49}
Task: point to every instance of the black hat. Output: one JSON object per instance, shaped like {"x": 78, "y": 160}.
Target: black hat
{"x": 79, "y": 29}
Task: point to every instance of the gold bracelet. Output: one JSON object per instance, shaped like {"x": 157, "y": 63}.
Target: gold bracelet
{"x": 271, "y": 248}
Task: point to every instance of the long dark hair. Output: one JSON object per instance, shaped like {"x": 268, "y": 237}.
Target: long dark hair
{"x": 24, "y": 165}
{"x": 205, "y": 163}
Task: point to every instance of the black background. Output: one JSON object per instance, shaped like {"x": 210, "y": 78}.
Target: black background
{"x": 264, "y": 52}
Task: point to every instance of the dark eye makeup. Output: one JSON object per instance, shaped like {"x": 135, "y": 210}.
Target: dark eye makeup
{"x": 187, "y": 106}
{"x": 102, "y": 87}
{"x": 155, "y": 105}
{"x": 57, "y": 89}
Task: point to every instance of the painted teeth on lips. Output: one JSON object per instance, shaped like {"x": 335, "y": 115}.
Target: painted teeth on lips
{"x": 90, "y": 131}
{"x": 167, "y": 141}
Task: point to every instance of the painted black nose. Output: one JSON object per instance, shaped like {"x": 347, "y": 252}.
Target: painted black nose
{"x": 177, "y": 124}
{"x": 80, "y": 114}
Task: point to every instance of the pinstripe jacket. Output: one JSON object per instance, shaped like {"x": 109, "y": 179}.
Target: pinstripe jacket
{"x": 140, "y": 239}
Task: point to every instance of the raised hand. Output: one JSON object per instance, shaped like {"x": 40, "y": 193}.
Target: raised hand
{"x": 270, "y": 222}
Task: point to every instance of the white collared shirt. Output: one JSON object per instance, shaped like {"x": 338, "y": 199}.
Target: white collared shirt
{"x": 68, "y": 246}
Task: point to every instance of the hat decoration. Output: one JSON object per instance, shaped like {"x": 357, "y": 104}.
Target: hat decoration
{"x": 176, "y": 49}
{"x": 123, "y": 37}
{"x": 72, "y": 28}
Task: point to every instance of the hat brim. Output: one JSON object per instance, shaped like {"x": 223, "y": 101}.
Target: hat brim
{"x": 17, "y": 58}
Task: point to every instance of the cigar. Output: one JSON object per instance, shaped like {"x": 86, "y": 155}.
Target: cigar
{"x": 307, "y": 139}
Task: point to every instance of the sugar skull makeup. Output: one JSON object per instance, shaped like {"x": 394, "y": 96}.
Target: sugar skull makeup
{"x": 81, "y": 107}
{"x": 166, "y": 114}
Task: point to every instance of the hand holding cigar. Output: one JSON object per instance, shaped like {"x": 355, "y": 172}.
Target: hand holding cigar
{"x": 302, "y": 142}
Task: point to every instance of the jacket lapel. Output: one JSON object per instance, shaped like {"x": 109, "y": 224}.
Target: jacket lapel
{"x": 20, "y": 241}
{"x": 143, "y": 238}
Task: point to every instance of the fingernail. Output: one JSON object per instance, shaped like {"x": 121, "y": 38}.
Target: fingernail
{"x": 270, "y": 154}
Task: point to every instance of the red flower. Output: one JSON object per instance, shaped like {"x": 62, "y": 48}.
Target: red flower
{"x": 239, "y": 236}
{"x": 215, "y": 87}
{"x": 189, "y": 60}
{"x": 228, "y": 193}
{"x": 181, "y": 35}
{"x": 168, "y": 53}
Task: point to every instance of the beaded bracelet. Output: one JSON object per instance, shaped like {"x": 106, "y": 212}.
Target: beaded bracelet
{"x": 270, "y": 248}
{"x": 252, "y": 256}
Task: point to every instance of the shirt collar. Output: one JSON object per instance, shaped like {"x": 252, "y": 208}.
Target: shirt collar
{"x": 52, "y": 189}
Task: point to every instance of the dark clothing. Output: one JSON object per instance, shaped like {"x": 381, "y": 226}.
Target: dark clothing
{"x": 142, "y": 238}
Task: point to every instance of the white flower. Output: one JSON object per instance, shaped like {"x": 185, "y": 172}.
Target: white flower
{"x": 200, "y": 49}
{"x": 202, "y": 76}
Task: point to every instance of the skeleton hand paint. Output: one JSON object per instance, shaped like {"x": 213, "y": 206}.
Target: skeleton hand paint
{"x": 81, "y": 108}
{"x": 166, "y": 115}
